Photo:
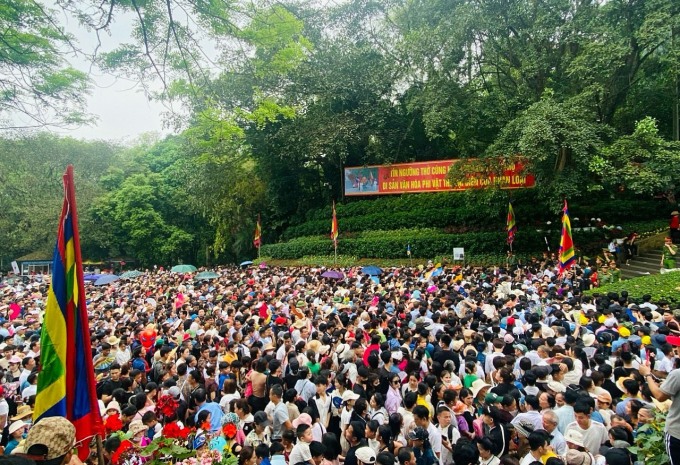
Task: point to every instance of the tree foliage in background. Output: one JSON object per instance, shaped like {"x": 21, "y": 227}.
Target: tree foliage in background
{"x": 277, "y": 97}
{"x": 37, "y": 86}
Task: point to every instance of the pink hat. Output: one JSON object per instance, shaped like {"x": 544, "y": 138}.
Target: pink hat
{"x": 508, "y": 339}
{"x": 303, "y": 419}
{"x": 15, "y": 359}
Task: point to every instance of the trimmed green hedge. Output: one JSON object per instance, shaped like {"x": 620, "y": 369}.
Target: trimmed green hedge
{"x": 455, "y": 210}
{"x": 426, "y": 243}
{"x": 347, "y": 261}
{"x": 659, "y": 286}
{"x": 430, "y": 242}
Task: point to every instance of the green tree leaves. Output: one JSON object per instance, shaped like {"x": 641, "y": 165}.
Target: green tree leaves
{"x": 37, "y": 85}
{"x": 643, "y": 162}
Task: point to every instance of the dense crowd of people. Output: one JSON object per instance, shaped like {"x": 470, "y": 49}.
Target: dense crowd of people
{"x": 415, "y": 366}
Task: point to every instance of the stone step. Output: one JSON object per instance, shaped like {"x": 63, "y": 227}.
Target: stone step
{"x": 628, "y": 273}
{"x": 647, "y": 263}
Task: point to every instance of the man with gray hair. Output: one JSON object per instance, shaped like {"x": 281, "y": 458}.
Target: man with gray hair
{"x": 550, "y": 422}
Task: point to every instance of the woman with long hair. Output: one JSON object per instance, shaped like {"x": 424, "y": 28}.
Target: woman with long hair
{"x": 378, "y": 411}
{"x": 411, "y": 385}
{"x": 394, "y": 398}
{"x": 246, "y": 420}
{"x": 247, "y": 456}
{"x": 386, "y": 440}
{"x": 486, "y": 456}
{"x": 331, "y": 456}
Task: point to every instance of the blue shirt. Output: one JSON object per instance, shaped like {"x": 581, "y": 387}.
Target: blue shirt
{"x": 618, "y": 343}
{"x": 215, "y": 415}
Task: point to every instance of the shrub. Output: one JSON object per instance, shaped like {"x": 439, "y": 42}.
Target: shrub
{"x": 461, "y": 212}
{"x": 428, "y": 243}
{"x": 659, "y": 286}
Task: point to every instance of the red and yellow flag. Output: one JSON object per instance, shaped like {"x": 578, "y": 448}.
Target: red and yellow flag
{"x": 567, "y": 255}
{"x": 511, "y": 225}
{"x": 257, "y": 241}
{"x": 334, "y": 227}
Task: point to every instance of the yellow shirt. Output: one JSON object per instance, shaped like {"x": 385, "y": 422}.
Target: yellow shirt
{"x": 550, "y": 453}
{"x": 422, "y": 401}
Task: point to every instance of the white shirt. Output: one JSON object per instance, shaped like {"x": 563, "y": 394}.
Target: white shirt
{"x": 123, "y": 357}
{"x": 24, "y": 376}
{"x": 593, "y": 437}
{"x": 493, "y": 460}
{"x": 323, "y": 406}
{"x": 435, "y": 439}
{"x": 447, "y": 455}
{"x": 665, "y": 365}
{"x": 4, "y": 411}
{"x": 29, "y": 391}
{"x": 528, "y": 459}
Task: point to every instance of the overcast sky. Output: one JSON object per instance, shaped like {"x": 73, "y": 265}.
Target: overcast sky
{"x": 123, "y": 110}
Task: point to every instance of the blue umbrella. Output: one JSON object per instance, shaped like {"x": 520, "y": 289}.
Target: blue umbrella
{"x": 371, "y": 270}
{"x": 246, "y": 263}
{"x": 106, "y": 279}
{"x": 92, "y": 277}
{"x": 375, "y": 279}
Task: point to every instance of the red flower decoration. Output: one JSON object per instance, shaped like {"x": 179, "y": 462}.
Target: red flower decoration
{"x": 118, "y": 456}
{"x": 229, "y": 430}
{"x": 166, "y": 406}
{"x": 113, "y": 423}
{"x": 173, "y": 431}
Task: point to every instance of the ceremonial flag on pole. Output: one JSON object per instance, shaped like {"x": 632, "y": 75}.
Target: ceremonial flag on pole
{"x": 257, "y": 241}
{"x": 566, "y": 253}
{"x": 334, "y": 227}
{"x": 66, "y": 383}
{"x": 511, "y": 225}
{"x": 408, "y": 249}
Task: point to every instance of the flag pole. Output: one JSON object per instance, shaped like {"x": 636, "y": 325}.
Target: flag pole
{"x": 100, "y": 450}
{"x": 334, "y": 234}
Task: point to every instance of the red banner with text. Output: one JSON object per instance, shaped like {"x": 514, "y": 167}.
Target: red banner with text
{"x": 428, "y": 176}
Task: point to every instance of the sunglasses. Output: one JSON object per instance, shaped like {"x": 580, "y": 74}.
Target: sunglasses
{"x": 396, "y": 382}
{"x": 604, "y": 403}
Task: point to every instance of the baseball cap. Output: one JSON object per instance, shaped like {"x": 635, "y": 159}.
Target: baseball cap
{"x": 418, "y": 433}
{"x": 50, "y": 438}
{"x": 174, "y": 391}
{"x": 492, "y": 398}
{"x": 260, "y": 418}
{"x": 365, "y": 455}
{"x": 521, "y": 347}
{"x": 524, "y": 428}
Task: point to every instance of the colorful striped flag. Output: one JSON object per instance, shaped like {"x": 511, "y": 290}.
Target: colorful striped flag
{"x": 66, "y": 383}
{"x": 257, "y": 241}
{"x": 566, "y": 253}
{"x": 511, "y": 225}
{"x": 334, "y": 227}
